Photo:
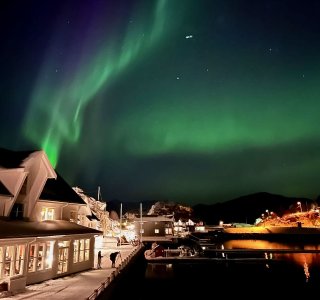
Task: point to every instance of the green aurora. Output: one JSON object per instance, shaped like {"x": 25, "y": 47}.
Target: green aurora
{"x": 180, "y": 100}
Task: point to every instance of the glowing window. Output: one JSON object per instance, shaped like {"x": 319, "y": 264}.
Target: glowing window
{"x": 63, "y": 258}
{"x": 11, "y": 260}
{"x": 47, "y": 213}
{"x": 73, "y": 216}
{"x": 81, "y": 249}
{"x": 49, "y": 254}
{"x": 40, "y": 256}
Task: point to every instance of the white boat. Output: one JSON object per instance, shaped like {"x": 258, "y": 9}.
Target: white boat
{"x": 159, "y": 253}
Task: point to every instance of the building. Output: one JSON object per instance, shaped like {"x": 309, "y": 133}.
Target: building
{"x": 41, "y": 235}
{"x": 154, "y": 227}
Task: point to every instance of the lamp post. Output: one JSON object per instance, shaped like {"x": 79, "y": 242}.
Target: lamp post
{"x": 299, "y": 205}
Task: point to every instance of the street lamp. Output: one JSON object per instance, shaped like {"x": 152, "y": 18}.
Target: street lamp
{"x": 299, "y": 205}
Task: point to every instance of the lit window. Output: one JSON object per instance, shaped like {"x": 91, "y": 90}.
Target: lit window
{"x": 19, "y": 259}
{"x": 11, "y": 260}
{"x": 81, "y": 250}
{"x": 47, "y": 213}
{"x": 1, "y": 262}
{"x": 40, "y": 256}
{"x": 63, "y": 256}
{"x": 76, "y": 251}
{"x": 49, "y": 255}
{"x": 73, "y": 216}
{"x": 156, "y": 230}
{"x": 168, "y": 230}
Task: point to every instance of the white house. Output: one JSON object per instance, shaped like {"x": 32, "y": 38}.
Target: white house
{"x": 40, "y": 215}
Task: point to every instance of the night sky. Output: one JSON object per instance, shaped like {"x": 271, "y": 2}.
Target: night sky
{"x": 193, "y": 101}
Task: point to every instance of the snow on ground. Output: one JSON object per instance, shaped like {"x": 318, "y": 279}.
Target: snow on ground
{"x": 80, "y": 285}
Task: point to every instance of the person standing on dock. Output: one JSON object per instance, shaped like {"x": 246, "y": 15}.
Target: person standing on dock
{"x": 113, "y": 258}
{"x": 99, "y": 260}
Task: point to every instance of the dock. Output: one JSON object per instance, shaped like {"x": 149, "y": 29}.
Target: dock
{"x": 87, "y": 285}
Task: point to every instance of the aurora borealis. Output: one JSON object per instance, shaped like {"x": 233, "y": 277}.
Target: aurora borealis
{"x": 198, "y": 101}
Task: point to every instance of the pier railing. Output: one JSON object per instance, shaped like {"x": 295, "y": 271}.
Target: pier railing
{"x": 113, "y": 275}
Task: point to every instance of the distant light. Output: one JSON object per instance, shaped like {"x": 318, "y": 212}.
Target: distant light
{"x": 189, "y": 36}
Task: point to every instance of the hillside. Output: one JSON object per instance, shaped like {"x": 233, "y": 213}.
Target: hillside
{"x": 246, "y": 209}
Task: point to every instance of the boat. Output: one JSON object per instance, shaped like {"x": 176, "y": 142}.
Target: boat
{"x": 159, "y": 253}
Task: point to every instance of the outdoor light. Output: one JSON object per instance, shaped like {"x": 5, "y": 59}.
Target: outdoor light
{"x": 299, "y": 205}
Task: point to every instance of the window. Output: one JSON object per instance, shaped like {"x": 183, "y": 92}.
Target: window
{"x": 11, "y": 260}
{"x": 19, "y": 259}
{"x": 49, "y": 255}
{"x": 63, "y": 258}
{"x": 73, "y": 216}
{"x": 40, "y": 256}
{"x": 1, "y": 262}
{"x": 17, "y": 211}
{"x": 156, "y": 230}
{"x": 168, "y": 230}
{"x": 81, "y": 250}
{"x": 47, "y": 213}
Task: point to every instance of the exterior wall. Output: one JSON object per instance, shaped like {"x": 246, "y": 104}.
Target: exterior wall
{"x": 37, "y": 177}
{"x": 62, "y": 211}
{"x": 28, "y": 260}
{"x": 5, "y": 201}
{"x": 38, "y": 276}
{"x": 36, "y": 214}
{"x": 150, "y": 228}
{"x": 70, "y": 212}
{"x": 13, "y": 180}
{"x": 24, "y": 269}
{"x": 12, "y": 267}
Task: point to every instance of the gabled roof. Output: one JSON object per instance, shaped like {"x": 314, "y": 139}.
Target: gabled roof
{"x": 12, "y": 159}
{"x": 59, "y": 190}
{"x": 19, "y": 159}
{"x": 3, "y": 190}
{"x": 155, "y": 218}
{"x": 22, "y": 229}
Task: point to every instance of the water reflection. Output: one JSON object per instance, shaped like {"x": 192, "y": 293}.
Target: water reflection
{"x": 159, "y": 271}
{"x": 305, "y": 260}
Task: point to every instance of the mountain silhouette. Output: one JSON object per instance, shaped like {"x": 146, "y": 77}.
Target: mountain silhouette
{"x": 246, "y": 209}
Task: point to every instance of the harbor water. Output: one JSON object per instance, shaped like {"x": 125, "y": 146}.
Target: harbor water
{"x": 279, "y": 275}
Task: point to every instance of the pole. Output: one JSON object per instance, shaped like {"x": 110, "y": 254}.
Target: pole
{"x": 99, "y": 193}
{"x": 120, "y": 223}
{"x": 140, "y": 223}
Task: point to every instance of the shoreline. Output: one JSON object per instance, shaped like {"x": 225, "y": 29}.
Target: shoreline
{"x": 272, "y": 233}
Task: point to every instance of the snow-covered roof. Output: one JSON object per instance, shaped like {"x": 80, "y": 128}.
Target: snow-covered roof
{"x": 21, "y": 229}
{"x": 59, "y": 190}
{"x": 153, "y": 218}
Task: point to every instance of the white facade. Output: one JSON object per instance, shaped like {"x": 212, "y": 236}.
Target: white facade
{"x": 40, "y": 236}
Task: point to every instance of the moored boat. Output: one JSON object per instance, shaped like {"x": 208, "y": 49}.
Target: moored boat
{"x": 157, "y": 252}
